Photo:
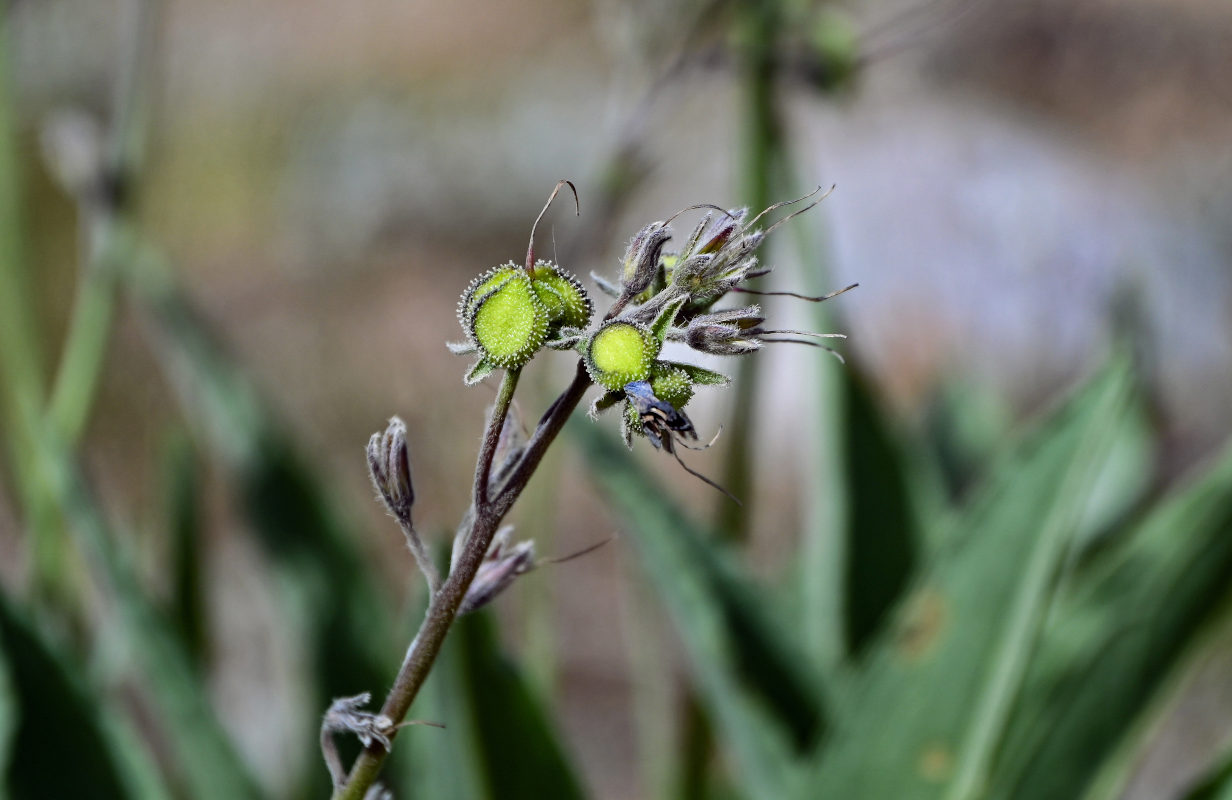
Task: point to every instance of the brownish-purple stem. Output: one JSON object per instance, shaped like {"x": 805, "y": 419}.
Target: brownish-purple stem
{"x": 443, "y": 608}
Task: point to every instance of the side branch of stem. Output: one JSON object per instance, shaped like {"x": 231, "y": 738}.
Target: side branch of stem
{"x": 486, "y": 515}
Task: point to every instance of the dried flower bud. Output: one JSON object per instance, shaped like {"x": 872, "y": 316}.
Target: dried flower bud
{"x": 716, "y": 236}
{"x": 720, "y": 340}
{"x": 641, "y": 262}
{"x": 621, "y": 352}
{"x": 346, "y": 715}
{"x": 730, "y": 332}
{"x": 389, "y": 464}
{"x": 500, "y": 568}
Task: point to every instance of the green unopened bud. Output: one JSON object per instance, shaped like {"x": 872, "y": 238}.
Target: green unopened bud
{"x": 562, "y": 295}
{"x": 503, "y": 317}
{"x": 671, "y": 384}
{"x": 621, "y": 352}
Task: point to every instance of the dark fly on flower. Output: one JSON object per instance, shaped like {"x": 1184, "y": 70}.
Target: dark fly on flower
{"x": 665, "y": 425}
{"x": 659, "y": 419}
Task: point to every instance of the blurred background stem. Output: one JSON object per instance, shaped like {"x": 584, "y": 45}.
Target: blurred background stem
{"x": 763, "y": 153}
{"x": 21, "y": 361}
{"x": 107, "y": 206}
{"x": 104, "y": 204}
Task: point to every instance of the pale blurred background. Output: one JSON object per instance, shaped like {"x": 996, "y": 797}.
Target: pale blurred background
{"x": 326, "y": 177}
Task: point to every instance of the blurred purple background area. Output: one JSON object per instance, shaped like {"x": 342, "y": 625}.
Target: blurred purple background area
{"x": 326, "y": 177}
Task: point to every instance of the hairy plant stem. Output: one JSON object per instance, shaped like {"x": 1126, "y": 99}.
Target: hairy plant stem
{"x": 485, "y": 517}
{"x": 423, "y": 559}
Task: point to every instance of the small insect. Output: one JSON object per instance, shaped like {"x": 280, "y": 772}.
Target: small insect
{"x": 665, "y": 426}
{"x": 659, "y": 419}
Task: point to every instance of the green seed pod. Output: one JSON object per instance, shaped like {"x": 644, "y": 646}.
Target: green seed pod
{"x": 483, "y": 286}
{"x": 562, "y": 295}
{"x": 671, "y": 384}
{"x": 503, "y": 317}
{"x": 630, "y": 424}
{"x": 621, "y": 352}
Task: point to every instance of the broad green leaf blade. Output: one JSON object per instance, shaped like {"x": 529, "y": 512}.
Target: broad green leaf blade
{"x": 444, "y": 764}
{"x": 963, "y": 427}
{"x": 59, "y": 746}
{"x": 522, "y": 756}
{"x": 921, "y": 718}
{"x": 1124, "y": 622}
{"x": 498, "y": 742}
{"x": 882, "y": 531}
{"x": 749, "y": 676}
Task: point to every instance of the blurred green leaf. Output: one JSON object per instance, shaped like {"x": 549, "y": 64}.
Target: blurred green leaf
{"x": 935, "y": 694}
{"x": 498, "y": 742}
{"x": 9, "y": 711}
{"x": 750, "y": 676}
{"x": 1123, "y": 623}
{"x": 209, "y": 765}
{"x": 964, "y": 426}
{"x": 1215, "y": 786}
{"x": 58, "y": 746}
{"x": 326, "y": 584}
{"x": 882, "y": 530}
{"x": 182, "y": 491}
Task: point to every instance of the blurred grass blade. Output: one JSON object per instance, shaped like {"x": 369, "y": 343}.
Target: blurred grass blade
{"x": 498, "y": 742}
{"x": 523, "y": 759}
{"x": 863, "y": 532}
{"x": 56, "y": 743}
{"x": 882, "y": 531}
{"x": 204, "y": 753}
{"x": 9, "y": 707}
{"x": 1215, "y": 786}
{"x": 935, "y": 694}
{"x": 750, "y": 677}
{"x": 349, "y": 629}
{"x": 183, "y": 492}
{"x": 1116, "y": 633}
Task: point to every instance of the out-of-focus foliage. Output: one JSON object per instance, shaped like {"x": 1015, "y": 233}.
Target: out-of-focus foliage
{"x": 498, "y": 742}
{"x": 1016, "y": 662}
{"x": 971, "y": 616}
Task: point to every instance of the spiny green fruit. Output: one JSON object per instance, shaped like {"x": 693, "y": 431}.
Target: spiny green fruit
{"x": 621, "y": 352}
{"x": 484, "y": 285}
{"x": 503, "y": 316}
{"x": 562, "y": 295}
{"x": 632, "y": 422}
{"x": 671, "y": 384}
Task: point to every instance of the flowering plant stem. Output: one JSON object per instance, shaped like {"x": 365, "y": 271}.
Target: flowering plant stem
{"x": 487, "y": 511}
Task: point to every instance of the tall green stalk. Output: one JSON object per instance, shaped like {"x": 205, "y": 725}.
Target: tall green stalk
{"x": 763, "y": 144}
{"x": 763, "y": 154}
{"x": 21, "y": 359}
